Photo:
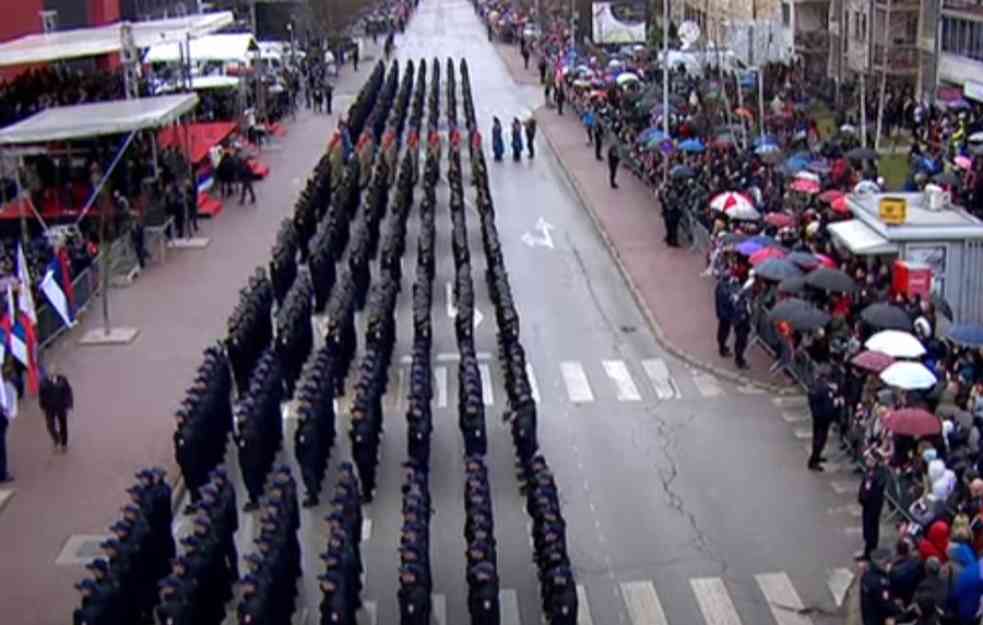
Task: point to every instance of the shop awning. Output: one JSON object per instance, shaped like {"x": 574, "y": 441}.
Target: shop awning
{"x": 84, "y": 42}
{"x": 860, "y": 239}
{"x": 98, "y": 119}
{"x": 224, "y": 47}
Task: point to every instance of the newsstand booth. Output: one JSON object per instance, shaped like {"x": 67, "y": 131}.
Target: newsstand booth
{"x": 933, "y": 245}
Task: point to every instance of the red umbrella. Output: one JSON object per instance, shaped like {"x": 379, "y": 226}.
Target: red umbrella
{"x": 839, "y": 206}
{"x": 780, "y": 220}
{"x": 803, "y": 185}
{"x": 745, "y": 113}
{"x": 913, "y": 422}
{"x": 875, "y": 362}
{"x": 826, "y": 261}
{"x": 766, "y": 254}
{"x": 830, "y": 195}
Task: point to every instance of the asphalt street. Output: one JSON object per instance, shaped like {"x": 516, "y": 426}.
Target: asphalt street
{"x": 686, "y": 498}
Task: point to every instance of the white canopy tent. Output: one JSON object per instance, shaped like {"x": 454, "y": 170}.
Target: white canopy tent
{"x": 860, "y": 239}
{"x": 83, "y": 42}
{"x": 204, "y": 83}
{"x": 98, "y": 119}
{"x": 223, "y": 47}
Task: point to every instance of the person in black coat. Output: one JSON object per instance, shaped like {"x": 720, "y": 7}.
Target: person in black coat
{"x": 823, "y": 404}
{"x": 871, "y": 500}
{"x": 725, "y": 313}
{"x": 56, "y": 399}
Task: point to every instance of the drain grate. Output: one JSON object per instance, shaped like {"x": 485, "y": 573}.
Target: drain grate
{"x": 81, "y": 549}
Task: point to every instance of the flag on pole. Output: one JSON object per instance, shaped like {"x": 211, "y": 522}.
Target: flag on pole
{"x": 54, "y": 291}
{"x": 23, "y": 344}
{"x": 65, "y": 278}
{"x": 25, "y": 297}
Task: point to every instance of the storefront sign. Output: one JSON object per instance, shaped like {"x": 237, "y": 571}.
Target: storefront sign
{"x": 893, "y": 210}
{"x": 973, "y": 90}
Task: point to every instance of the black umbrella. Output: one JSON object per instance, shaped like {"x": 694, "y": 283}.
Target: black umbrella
{"x": 800, "y": 314}
{"x": 776, "y": 270}
{"x": 832, "y": 280}
{"x": 949, "y": 178}
{"x": 682, "y": 171}
{"x": 803, "y": 260}
{"x": 886, "y": 317}
{"x": 793, "y": 285}
{"x": 862, "y": 154}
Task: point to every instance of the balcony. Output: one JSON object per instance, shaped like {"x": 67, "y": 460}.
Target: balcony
{"x": 899, "y": 5}
{"x": 812, "y": 41}
{"x": 901, "y": 58}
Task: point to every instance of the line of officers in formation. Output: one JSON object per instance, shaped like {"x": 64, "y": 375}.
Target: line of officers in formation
{"x": 272, "y": 372}
{"x": 558, "y": 589}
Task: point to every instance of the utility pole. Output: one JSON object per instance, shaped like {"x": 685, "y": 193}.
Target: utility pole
{"x": 863, "y": 107}
{"x": 882, "y": 97}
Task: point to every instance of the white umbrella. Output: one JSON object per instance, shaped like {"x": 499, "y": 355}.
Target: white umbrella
{"x": 896, "y": 344}
{"x": 729, "y": 200}
{"x": 807, "y": 175}
{"x": 908, "y": 376}
{"x": 626, "y": 78}
{"x": 847, "y": 128}
{"x": 743, "y": 212}
{"x": 615, "y": 63}
{"x": 976, "y": 137}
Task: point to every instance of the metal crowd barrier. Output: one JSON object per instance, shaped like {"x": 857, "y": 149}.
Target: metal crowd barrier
{"x": 86, "y": 285}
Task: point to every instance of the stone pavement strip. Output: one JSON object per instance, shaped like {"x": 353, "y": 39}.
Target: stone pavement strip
{"x": 54, "y": 514}
{"x": 665, "y": 281}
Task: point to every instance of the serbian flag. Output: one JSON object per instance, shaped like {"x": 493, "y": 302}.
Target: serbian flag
{"x": 25, "y": 297}
{"x": 66, "y": 279}
{"x": 23, "y": 342}
{"x": 53, "y": 288}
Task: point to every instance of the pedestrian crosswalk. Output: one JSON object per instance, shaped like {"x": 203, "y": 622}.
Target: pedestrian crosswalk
{"x": 579, "y": 382}
{"x": 644, "y": 602}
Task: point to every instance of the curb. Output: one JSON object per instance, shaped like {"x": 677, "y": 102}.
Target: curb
{"x": 657, "y": 330}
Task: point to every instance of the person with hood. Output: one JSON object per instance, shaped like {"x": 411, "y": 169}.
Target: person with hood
{"x": 967, "y": 588}
{"x": 906, "y": 572}
{"x": 498, "y": 144}
{"x": 516, "y": 139}
{"x": 936, "y": 542}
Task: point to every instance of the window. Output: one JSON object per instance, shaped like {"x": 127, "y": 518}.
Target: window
{"x": 962, "y": 37}
{"x": 786, "y": 15}
{"x": 863, "y": 26}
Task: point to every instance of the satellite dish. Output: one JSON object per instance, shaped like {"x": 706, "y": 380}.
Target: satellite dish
{"x": 689, "y": 33}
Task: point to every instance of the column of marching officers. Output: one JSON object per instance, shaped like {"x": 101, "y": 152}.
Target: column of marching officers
{"x": 263, "y": 360}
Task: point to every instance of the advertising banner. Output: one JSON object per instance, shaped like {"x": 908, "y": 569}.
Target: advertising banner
{"x": 619, "y": 22}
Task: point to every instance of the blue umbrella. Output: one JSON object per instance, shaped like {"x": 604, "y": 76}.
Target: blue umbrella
{"x": 767, "y": 148}
{"x": 691, "y": 145}
{"x": 764, "y": 140}
{"x": 748, "y": 248}
{"x": 968, "y": 334}
{"x": 795, "y": 164}
{"x": 651, "y": 135}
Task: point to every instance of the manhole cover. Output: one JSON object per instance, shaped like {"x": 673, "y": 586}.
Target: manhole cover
{"x": 81, "y": 549}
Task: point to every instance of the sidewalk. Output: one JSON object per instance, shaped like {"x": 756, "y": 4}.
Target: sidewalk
{"x": 125, "y": 397}
{"x": 666, "y": 281}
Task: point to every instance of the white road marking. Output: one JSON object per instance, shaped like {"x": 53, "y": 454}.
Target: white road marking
{"x": 791, "y": 401}
{"x": 853, "y": 509}
{"x": 456, "y": 357}
{"x": 644, "y": 607}
{"x": 438, "y": 604}
{"x": 843, "y": 488}
{"x": 440, "y": 381}
{"x": 508, "y": 607}
{"x": 452, "y": 308}
{"x": 617, "y": 370}
{"x": 715, "y": 603}
{"x": 400, "y": 389}
{"x": 366, "y": 529}
{"x": 406, "y": 360}
{"x": 583, "y": 608}
{"x": 371, "y": 609}
{"x": 533, "y": 386}
{"x": 750, "y": 389}
{"x": 487, "y": 394}
{"x": 706, "y": 384}
{"x": 838, "y": 582}
{"x": 658, "y": 374}
{"x": 578, "y": 388}
{"x": 803, "y": 434}
{"x": 782, "y": 599}
{"x": 794, "y": 417}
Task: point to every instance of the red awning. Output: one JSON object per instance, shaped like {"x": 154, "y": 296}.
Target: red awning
{"x": 202, "y": 137}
